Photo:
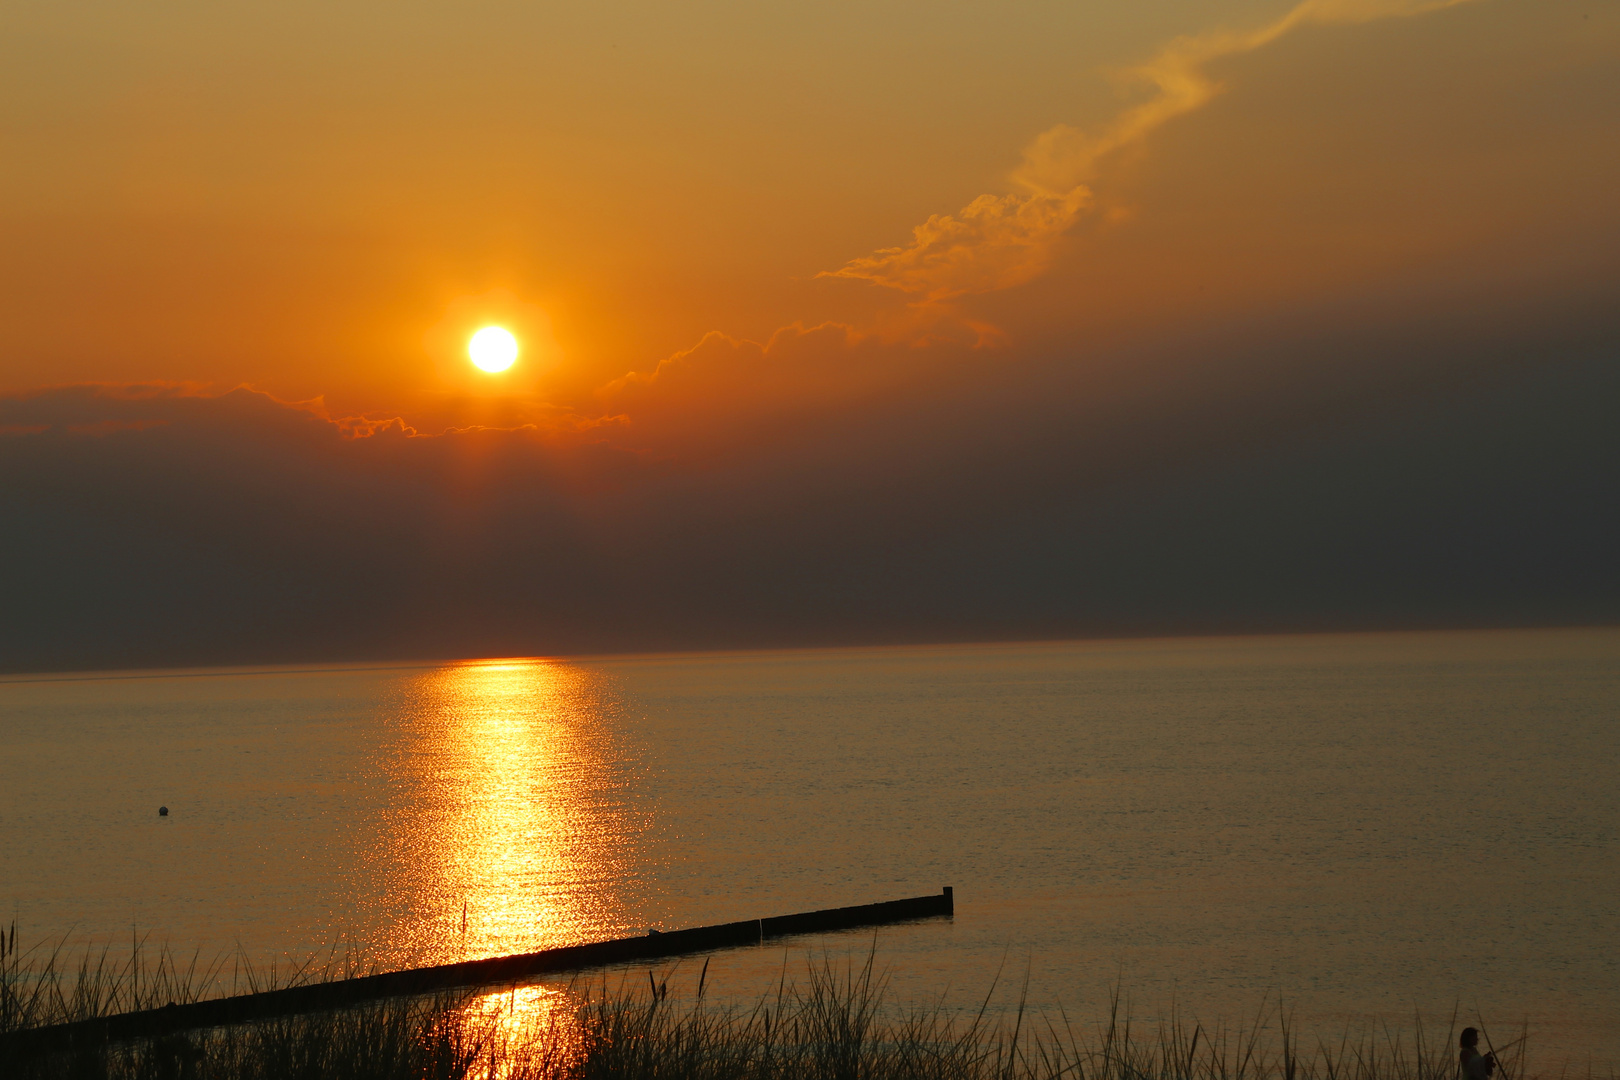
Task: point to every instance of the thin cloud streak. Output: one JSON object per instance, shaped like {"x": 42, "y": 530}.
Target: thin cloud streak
{"x": 1000, "y": 241}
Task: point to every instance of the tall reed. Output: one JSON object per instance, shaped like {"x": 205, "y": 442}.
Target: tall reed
{"x": 42, "y": 985}
{"x": 835, "y": 1022}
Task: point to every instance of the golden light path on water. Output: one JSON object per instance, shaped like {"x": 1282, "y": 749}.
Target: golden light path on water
{"x": 537, "y": 1018}
{"x": 520, "y": 830}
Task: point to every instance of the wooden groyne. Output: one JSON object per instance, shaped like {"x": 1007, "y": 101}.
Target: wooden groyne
{"x": 338, "y": 993}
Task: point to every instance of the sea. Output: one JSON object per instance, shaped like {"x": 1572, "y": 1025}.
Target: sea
{"x": 1370, "y": 829}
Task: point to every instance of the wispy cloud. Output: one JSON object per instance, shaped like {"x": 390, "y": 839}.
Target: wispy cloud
{"x": 999, "y": 241}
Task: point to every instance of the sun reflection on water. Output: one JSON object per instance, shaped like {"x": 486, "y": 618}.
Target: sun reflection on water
{"x": 530, "y": 1021}
{"x": 522, "y": 824}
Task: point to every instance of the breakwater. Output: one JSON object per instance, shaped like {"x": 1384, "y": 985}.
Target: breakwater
{"x": 338, "y": 993}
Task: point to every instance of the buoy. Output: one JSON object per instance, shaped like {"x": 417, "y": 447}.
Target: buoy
{"x": 163, "y": 811}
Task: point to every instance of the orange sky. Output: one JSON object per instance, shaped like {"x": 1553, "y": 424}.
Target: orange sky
{"x": 322, "y": 202}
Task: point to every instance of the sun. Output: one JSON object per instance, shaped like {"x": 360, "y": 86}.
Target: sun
{"x": 493, "y": 349}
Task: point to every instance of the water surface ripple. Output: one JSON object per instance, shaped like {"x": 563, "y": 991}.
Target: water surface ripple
{"x": 1365, "y": 824}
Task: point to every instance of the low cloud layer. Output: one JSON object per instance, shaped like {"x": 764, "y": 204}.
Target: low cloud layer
{"x": 1219, "y": 486}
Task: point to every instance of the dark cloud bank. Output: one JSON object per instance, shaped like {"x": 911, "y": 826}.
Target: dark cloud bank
{"x": 1448, "y": 470}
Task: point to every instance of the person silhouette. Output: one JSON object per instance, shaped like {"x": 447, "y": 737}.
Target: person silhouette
{"x": 1475, "y": 1065}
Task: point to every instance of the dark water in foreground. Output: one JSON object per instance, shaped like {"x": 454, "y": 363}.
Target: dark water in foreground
{"x": 1365, "y": 824}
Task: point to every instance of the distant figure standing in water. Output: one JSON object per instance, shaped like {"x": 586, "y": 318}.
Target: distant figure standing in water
{"x": 1475, "y": 1065}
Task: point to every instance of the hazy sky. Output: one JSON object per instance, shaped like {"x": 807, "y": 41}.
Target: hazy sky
{"x": 840, "y": 322}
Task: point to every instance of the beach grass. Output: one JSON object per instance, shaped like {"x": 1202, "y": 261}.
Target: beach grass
{"x": 831, "y": 1020}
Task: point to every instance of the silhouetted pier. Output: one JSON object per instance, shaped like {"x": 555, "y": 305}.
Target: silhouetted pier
{"x": 338, "y": 993}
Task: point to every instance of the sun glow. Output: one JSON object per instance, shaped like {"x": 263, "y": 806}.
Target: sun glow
{"x": 493, "y": 349}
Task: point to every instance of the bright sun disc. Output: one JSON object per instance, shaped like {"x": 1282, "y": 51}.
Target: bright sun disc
{"x": 492, "y": 349}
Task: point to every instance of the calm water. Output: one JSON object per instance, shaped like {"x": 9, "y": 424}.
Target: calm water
{"x": 1366, "y": 824}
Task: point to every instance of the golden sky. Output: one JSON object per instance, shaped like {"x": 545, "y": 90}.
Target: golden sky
{"x": 840, "y": 323}
{"x": 322, "y": 200}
